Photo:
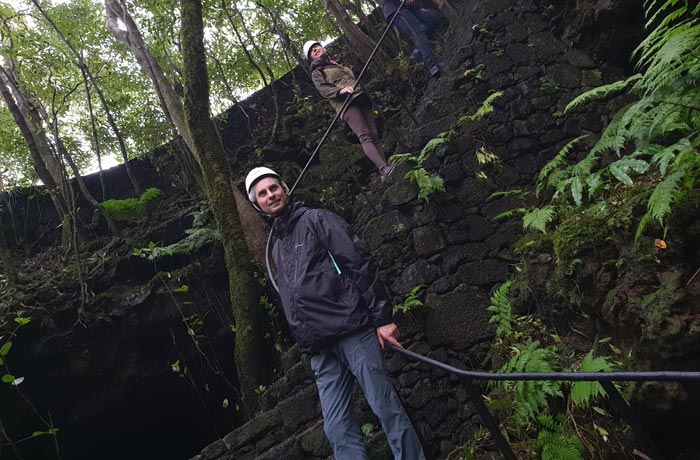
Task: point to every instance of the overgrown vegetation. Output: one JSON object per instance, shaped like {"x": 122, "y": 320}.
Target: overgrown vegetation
{"x": 548, "y": 420}
{"x": 652, "y": 143}
{"x": 197, "y": 237}
{"x": 131, "y": 209}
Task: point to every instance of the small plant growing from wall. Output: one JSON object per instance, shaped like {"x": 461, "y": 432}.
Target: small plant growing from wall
{"x": 430, "y": 183}
{"x": 412, "y": 302}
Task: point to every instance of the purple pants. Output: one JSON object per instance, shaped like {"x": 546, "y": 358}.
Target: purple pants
{"x": 360, "y": 117}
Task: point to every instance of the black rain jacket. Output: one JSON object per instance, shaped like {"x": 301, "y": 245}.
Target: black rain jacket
{"x": 327, "y": 279}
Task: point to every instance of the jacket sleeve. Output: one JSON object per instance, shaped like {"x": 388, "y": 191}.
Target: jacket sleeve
{"x": 355, "y": 259}
{"x": 327, "y": 90}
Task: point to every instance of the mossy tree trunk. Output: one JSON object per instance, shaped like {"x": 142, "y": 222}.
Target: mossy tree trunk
{"x": 252, "y": 351}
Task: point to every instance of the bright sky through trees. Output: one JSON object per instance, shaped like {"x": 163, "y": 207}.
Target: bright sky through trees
{"x": 270, "y": 33}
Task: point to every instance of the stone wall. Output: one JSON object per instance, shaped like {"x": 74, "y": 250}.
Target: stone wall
{"x": 453, "y": 244}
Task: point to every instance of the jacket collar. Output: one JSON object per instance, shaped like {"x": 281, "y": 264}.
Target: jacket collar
{"x": 320, "y": 63}
{"x": 289, "y": 218}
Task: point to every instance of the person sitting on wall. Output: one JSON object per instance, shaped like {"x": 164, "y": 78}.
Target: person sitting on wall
{"x": 338, "y": 312}
{"x": 419, "y": 24}
{"x": 336, "y": 83}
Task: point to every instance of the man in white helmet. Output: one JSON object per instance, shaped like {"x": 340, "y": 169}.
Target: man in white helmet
{"x": 338, "y": 312}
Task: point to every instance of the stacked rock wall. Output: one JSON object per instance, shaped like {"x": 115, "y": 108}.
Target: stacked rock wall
{"x": 454, "y": 244}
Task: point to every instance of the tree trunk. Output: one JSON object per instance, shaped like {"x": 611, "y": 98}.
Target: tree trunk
{"x": 110, "y": 119}
{"x": 360, "y": 44}
{"x": 252, "y": 353}
{"x": 169, "y": 99}
{"x": 39, "y": 150}
{"x": 270, "y": 85}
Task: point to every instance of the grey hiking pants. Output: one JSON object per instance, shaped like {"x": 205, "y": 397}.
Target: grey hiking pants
{"x": 359, "y": 357}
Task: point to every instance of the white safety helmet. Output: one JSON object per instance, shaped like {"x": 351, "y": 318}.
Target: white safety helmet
{"x": 307, "y": 47}
{"x": 254, "y": 176}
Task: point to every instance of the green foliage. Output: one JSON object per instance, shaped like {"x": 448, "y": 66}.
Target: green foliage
{"x": 538, "y": 218}
{"x": 501, "y": 310}
{"x": 559, "y": 446}
{"x": 301, "y": 105}
{"x": 657, "y": 136}
{"x": 601, "y": 92}
{"x": 196, "y": 238}
{"x": 368, "y": 428}
{"x": 411, "y": 302}
{"x": 583, "y": 392}
{"x": 131, "y": 209}
{"x": 530, "y": 397}
{"x": 430, "y": 183}
{"x": 545, "y": 179}
{"x": 477, "y": 73}
{"x": 481, "y": 30}
{"x": 484, "y": 109}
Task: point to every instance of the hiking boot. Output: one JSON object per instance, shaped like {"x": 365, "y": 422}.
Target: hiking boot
{"x": 385, "y": 173}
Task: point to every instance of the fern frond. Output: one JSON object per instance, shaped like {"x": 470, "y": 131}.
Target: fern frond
{"x": 608, "y": 141}
{"x": 427, "y": 183}
{"x": 620, "y": 169}
{"x": 593, "y": 182}
{"x": 664, "y": 194}
{"x": 672, "y": 58}
{"x": 520, "y": 193}
{"x": 556, "y": 162}
{"x": 501, "y": 310}
{"x": 511, "y": 213}
{"x": 583, "y": 392}
{"x": 529, "y": 397}
{"x": 559, "y": 446}
{"x": 602, "y": 92}
{"x": 653, "y": 15}
{"x": 484, "y": 109}
{"x": 585, "y": 166}
{"x": 663, "y": 156}
{"x": 538, "y": 218}
{"x": 399, "y": 158}
{"x": 430, "y": 147}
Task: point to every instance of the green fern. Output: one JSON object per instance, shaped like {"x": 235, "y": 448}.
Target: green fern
{"x": 195, "y": 240}
{"x": 484, "y": 109}
{"x": 657, "y": 135}
{"x": 538, "y": 218}
{"x": 519, "y": 193}
{"x": 620, "y": 169}
{"x": 501, "y": 310}
{"x": 665, "y": 193}
{"x": 511, "y": 213}
{"x": 412, "y": 301}
{"x": 555, "y": 163}
{"x": 559, "y": 446}
{"x": 601, "y": 92}
{"x": 427, "y": 183}
{"x": 530, "y": 397}
{"x": 583, "y": 392}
